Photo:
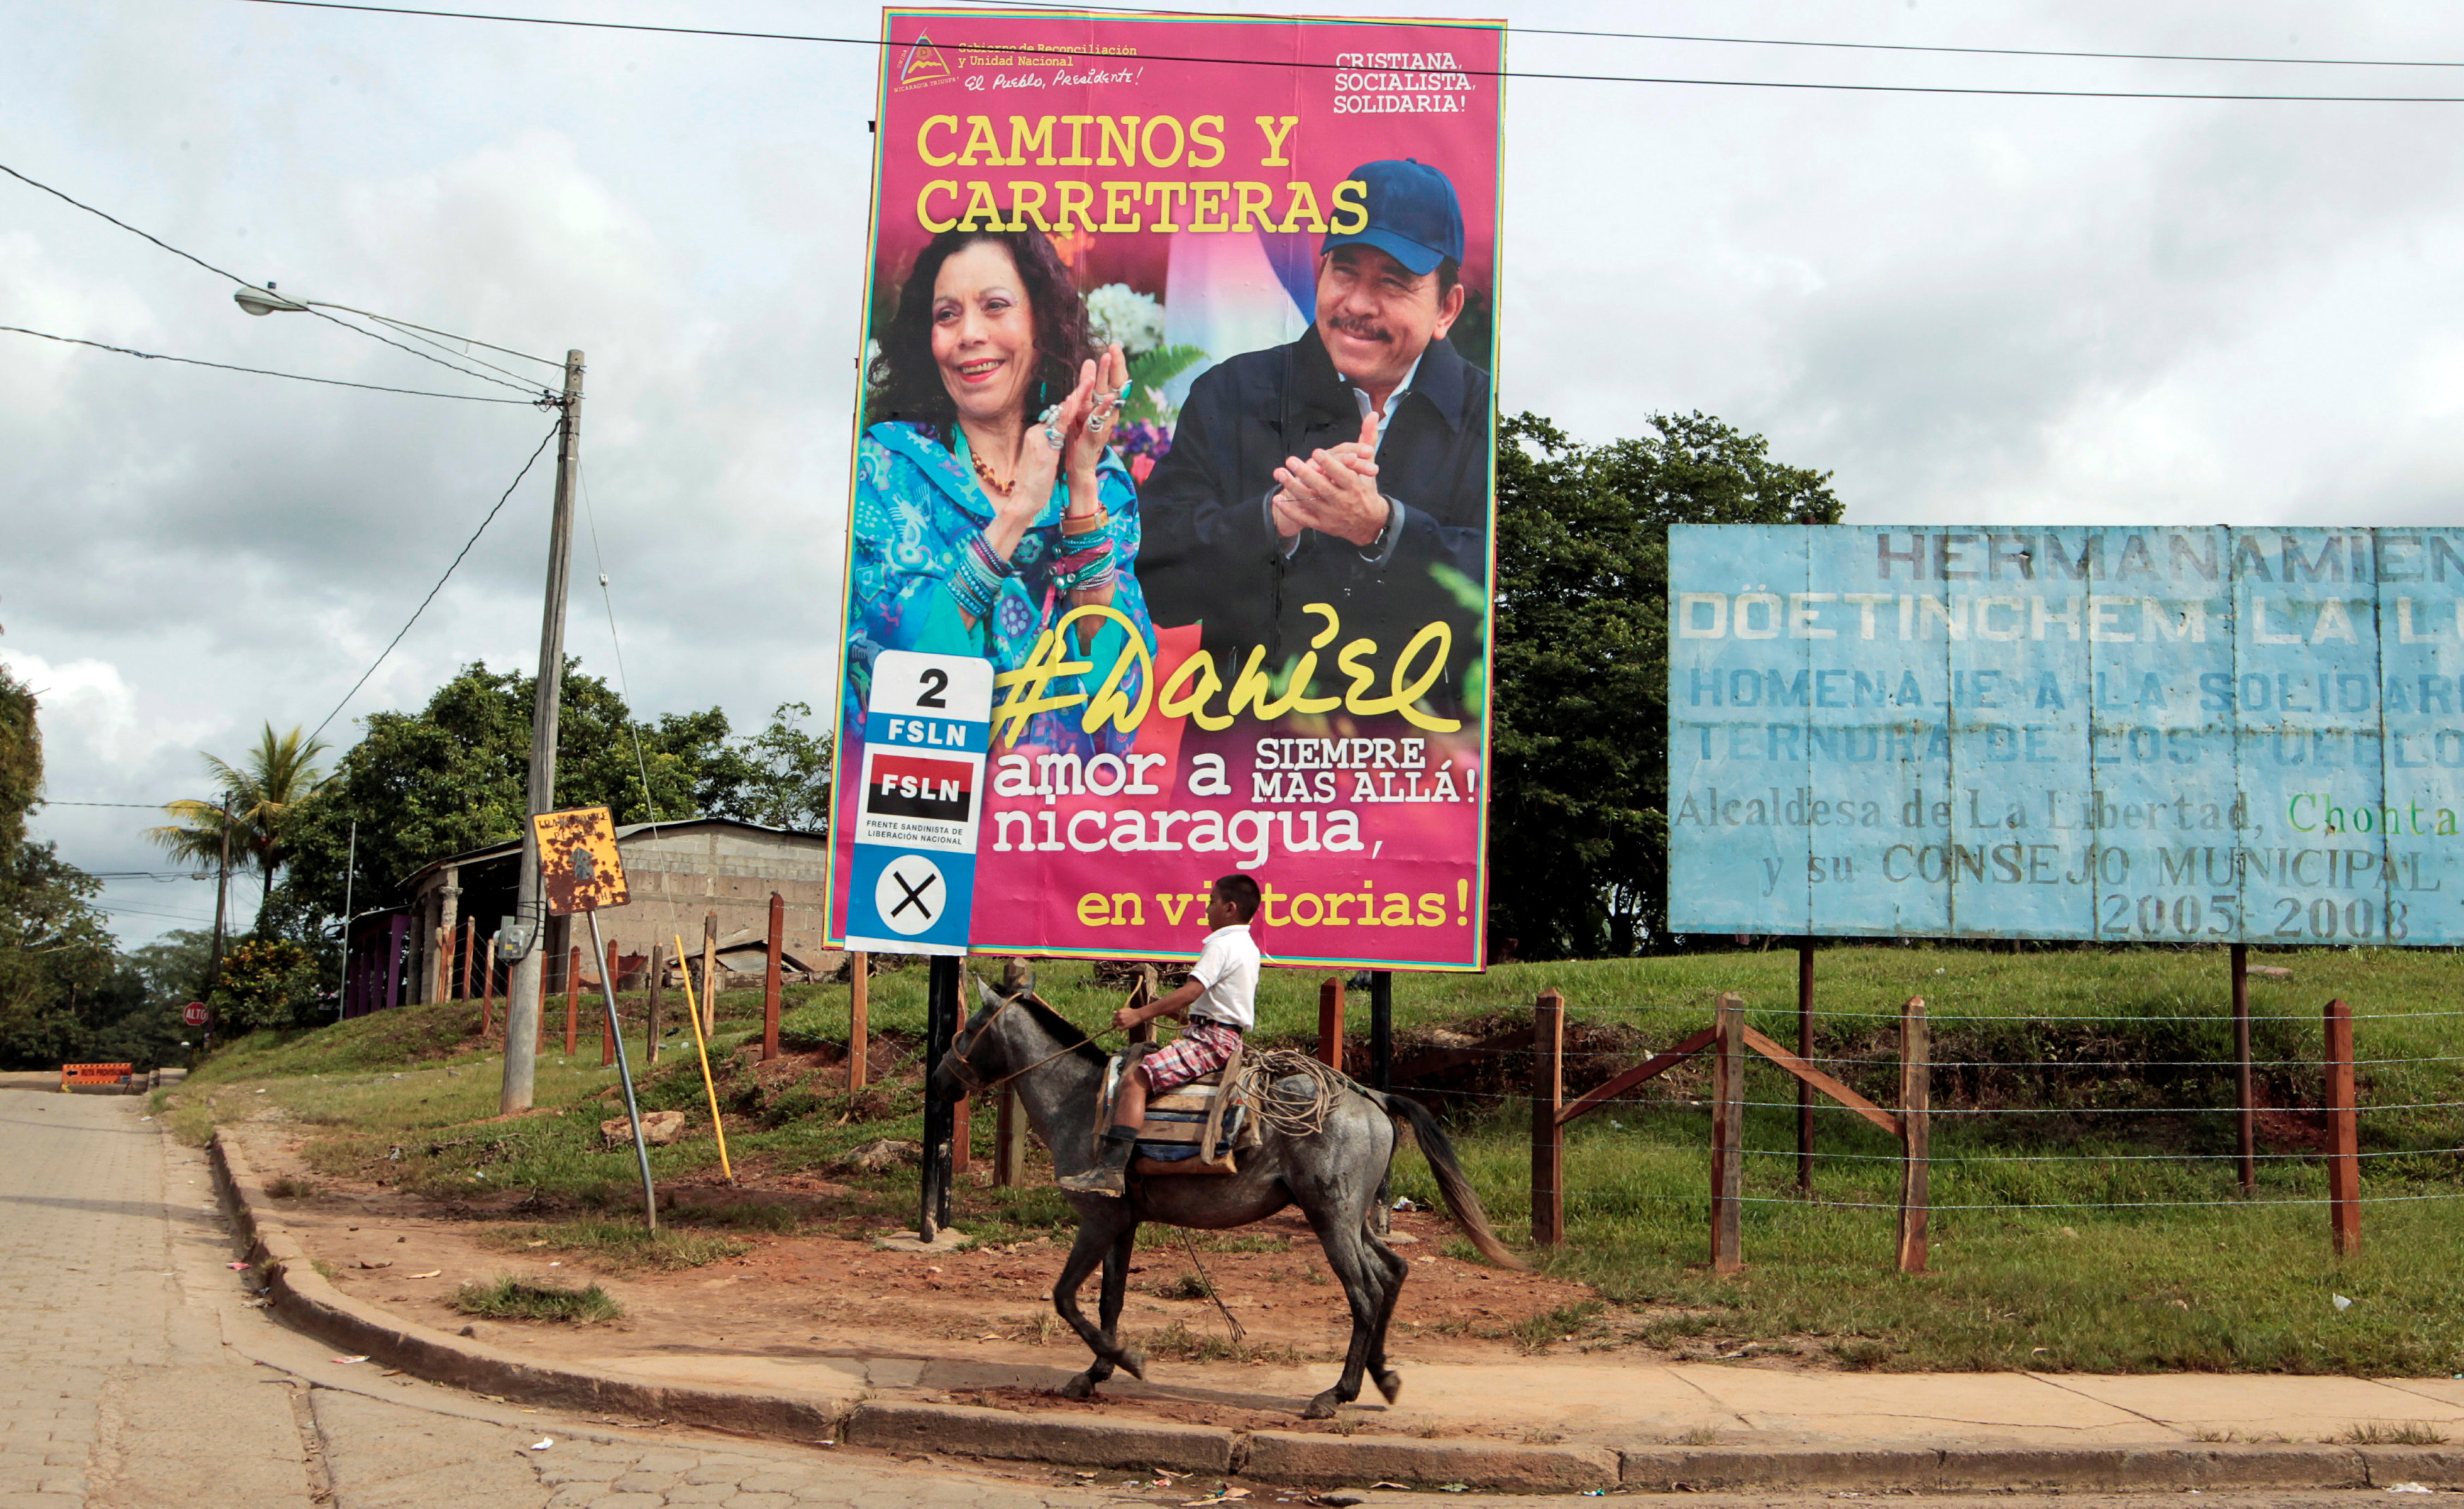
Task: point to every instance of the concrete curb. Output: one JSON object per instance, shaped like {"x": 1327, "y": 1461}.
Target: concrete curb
{"x": 2086, "y": 1469}
{"x": 302, "y": 1297}
{"x": 1020, "y": 1436}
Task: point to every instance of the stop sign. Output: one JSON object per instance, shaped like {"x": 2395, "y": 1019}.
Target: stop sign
{"x": 194, "y": 1013}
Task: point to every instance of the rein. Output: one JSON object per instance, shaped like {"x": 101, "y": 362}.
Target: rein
{"x": 967, "y": 1075}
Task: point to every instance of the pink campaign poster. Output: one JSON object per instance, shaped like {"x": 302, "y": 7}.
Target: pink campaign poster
{"x": 1177, "y": 408}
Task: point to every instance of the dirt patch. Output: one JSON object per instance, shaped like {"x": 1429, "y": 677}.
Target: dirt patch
{"x": 980, "y": 1321}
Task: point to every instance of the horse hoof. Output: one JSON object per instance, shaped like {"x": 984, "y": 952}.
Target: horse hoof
{"x": 1323, "y": 1406}
{"x": 1081, "y": 1387}
{"x": 1134, "y": 1362}
{"x": 1390, "y": 1383}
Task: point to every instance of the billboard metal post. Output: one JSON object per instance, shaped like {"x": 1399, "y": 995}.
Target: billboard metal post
{"x": 1381, "y": 1029}
{"x": 940, "y": 1027}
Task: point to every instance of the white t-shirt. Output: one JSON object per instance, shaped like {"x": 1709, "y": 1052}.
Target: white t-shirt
{"x": 1226, "y": 972}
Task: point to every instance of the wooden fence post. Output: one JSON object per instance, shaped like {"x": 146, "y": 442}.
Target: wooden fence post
{"x": 709, "y": 973}
{"x": 2246, "y": 1136}
{"x": 441, "y": 978}
{"x": 962, "y": 1135}
{"x": 658, "y": 989}
{"x": 572, "y": 1000}
{"x": 1547, "y": 1137}
{"x": 488, "y": 995}
{"x": 770, "y": 976}
{"x": 1009, "y": 1141}
{"x": 1329, "y": 1023}
{"x": 1728, "y": 1134}
{"x": 608, "y": 1038}
{"x": 470, "y": 931}
{"x": 859, "y": 1027}
{"x": 1916, "y": 1134}
{"x": 2344, "y": 1134}
{"x": 1805, "y": 1052}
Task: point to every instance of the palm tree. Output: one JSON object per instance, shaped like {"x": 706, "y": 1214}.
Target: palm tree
{"x": 261, "y": 796}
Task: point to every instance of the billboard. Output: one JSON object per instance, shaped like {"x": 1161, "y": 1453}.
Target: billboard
{"x": 1176, "y": 411}
{"x": 2200, "y": 734}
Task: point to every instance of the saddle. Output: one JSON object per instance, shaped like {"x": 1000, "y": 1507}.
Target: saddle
{"x": 1189, "y": 1129}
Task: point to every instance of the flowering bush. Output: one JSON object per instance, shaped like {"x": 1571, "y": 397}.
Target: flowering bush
{"x": 1143, "y": 443}
{"x": 1116, "y": 312}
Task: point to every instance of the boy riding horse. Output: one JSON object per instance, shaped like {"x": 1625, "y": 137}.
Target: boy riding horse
{"x": 1220, "y": 1000}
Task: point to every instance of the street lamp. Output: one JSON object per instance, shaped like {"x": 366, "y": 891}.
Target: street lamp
{"x": 522, "y": 989}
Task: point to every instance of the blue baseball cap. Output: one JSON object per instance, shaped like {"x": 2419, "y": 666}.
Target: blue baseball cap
{"x": 1412, "y": 216}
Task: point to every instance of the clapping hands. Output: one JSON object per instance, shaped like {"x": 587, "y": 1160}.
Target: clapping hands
{"x": 1334, "y": 491}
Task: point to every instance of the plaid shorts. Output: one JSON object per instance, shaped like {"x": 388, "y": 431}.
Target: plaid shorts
{"x": 1203, "y": 1047}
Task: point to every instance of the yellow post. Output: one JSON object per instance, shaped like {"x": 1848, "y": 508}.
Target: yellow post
{"x": 692, "y": 1014}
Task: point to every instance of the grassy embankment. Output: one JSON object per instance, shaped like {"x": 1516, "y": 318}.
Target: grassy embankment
{"x": 2108, "y": 1265}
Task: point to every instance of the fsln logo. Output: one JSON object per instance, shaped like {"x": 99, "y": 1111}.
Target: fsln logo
{"x": 909, "y": 785}
{"x": 923, "y": 62}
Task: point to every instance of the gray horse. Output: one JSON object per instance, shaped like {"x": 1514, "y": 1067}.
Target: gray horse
{"x": 1332, "y": 1175}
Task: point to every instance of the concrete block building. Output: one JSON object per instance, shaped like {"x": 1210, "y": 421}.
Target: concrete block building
{"x": 676, "y": 874}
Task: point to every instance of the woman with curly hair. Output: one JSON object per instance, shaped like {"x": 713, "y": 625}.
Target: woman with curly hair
{"x": 988, "y": 503}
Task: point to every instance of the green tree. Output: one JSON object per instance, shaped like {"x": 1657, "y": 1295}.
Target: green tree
{"x": 58, "y": 968}
{"x": 779, "y": 777}
{"x": 268, "y": 984}
{"x": 259, "y": 800}
{"x": 453, "y": 776}
{"x": 21, "y": 760}
{"x": 1579, "y": 826}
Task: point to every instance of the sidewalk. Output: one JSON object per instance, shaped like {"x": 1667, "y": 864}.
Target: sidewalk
{"x": 1540, "y": 1424}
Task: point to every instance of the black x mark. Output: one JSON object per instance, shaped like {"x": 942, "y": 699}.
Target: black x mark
{"x": 915, "y": 894}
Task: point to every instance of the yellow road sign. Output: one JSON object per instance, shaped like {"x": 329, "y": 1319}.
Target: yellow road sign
{"x": 578, "y": 860}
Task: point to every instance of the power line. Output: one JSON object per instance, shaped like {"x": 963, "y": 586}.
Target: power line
{"x": 1782, "y": 41}
{"x": 2217, "y": 97}
{"x": 259, "y": 371}
{"x": 244, "y": 282}
{"x": 591, "y": 516}
{"x": 553, "y": 430}
{"x": 142, "y": 807}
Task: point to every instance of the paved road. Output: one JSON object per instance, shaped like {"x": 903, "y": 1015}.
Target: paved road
{"x": 133, "y": 1373}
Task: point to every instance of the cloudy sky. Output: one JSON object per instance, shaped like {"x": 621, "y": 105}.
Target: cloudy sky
{"x": 1968, "y": 307}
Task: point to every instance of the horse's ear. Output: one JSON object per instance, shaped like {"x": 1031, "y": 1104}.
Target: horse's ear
{"x": 985, "y": 994}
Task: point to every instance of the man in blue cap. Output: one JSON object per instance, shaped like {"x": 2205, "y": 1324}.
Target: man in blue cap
{"x": 1347, "y": 468}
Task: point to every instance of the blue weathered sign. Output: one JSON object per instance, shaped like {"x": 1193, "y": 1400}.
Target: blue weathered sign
{"x": 2178, "y": 735}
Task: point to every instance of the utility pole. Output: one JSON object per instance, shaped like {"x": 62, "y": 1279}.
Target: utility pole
{"x": 350, "y": 870}
{"x": 522, "y": 990}
{"x": 222, "y": 894}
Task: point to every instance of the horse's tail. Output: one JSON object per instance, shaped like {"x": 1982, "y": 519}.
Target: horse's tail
{"x": 1462, "y": 1201}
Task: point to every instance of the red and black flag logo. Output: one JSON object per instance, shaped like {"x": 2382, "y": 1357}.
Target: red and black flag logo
{"x": 914, "y": 785}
